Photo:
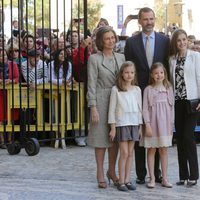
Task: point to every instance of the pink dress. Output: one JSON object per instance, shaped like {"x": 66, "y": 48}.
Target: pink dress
{"x": 158, "y": 110}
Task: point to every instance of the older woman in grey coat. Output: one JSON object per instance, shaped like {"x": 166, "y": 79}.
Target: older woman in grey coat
{"x": 102, "y": 70}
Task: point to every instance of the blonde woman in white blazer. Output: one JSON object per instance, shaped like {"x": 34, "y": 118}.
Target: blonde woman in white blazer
{"x": 185, "y": 76}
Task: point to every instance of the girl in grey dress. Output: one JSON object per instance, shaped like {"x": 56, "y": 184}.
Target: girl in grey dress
{"x": 125, "y": 118}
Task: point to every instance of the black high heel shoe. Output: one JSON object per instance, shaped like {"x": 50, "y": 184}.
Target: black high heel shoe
{"x": 181, "y": 182}
{"x": 191, "y": 183}
{"x": 115, "y": 182}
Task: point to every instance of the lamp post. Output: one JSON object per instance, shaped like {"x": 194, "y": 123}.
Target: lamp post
{"x": 166, "y": 14}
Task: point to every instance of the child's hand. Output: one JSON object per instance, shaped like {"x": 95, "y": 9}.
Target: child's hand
{"x": 112, "y": 134}
{"x": 140, "y": 131}
{"x": 148, "y": 130}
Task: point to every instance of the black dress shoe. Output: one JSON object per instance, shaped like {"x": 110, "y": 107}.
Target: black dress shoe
{"x": 130, "y": 186}
{"x": 158, "y": 179}
{"x": 122, "y": 187}
{"x": 181, "y": 182}
{"x": 191, "y": 183}
{"x": 140, "y": 181}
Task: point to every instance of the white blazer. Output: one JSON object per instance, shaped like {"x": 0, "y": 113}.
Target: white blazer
{"x": 191, "y": 73}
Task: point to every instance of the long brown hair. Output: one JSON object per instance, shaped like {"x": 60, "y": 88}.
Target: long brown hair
{"x": 120, "y": 81}
{"x": 155, "y": 66}
{"x": 173, "y": 41}
{"x": 58, "y": 63}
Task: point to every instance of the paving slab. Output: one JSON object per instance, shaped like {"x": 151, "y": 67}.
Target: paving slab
{"x": 70, "y": 174}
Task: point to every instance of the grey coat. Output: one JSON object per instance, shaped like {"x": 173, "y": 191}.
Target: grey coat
{"x": 101, "y": 77}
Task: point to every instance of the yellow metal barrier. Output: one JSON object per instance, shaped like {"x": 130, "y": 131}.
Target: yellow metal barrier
{"x": 28, "y": 100}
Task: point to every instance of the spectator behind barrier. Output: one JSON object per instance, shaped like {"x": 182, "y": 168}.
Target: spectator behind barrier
{"x": 28, "y": 44}
{"x": 34, "y": 70}
{"x": 9, "y": 74}
{"x": 60, "y": 69}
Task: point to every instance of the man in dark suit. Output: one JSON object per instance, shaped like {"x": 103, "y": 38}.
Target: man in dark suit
{"x": 135, "y": 51}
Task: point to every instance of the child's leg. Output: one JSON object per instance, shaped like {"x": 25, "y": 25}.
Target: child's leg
{"x": 123, "y": 148}
{"x": 129, "y": 161}
{"x": 112, "y": 159}
{"x": 164, "y": 164}
{"x": 150, "y": 162}
{"x": 164, "y": 161}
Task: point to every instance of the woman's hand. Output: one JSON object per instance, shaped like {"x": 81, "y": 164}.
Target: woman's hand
{"x": 94, "y": 114}
{"x": 198, "y": 107}
{"x": 148, "y": 130}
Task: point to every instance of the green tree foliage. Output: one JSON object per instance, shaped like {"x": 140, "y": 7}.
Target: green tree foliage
{"x": 93, "y": 12}
{"x": 8, "y": 3}
{"x": 159, "y": 9}
{"x": 35, "y": 12}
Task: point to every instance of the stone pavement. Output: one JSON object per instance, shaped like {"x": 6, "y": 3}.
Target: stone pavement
{"x": 57, "y": 174}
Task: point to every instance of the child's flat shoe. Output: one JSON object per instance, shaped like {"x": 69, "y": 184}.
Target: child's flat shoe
{"x": 151, "y": 184}
{"x": 122, "y": 187}
{"x": 166, "y": 184}
{"x": 130, "y": 186}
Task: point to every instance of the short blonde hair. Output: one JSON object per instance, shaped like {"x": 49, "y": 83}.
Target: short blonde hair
{"x": 11, "y": 47}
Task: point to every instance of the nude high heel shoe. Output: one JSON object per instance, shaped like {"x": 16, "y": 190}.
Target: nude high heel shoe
{"x": 115, "y": 182}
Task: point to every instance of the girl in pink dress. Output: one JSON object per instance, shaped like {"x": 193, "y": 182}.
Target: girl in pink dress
{"x": 158, "y": 114}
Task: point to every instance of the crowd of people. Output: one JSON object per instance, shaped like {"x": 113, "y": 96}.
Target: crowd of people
{"x": 137, "y": 94}
{"x": 34, "y": 60}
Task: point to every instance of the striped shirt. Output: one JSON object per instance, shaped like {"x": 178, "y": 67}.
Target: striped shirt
{"x": 38, "y": 74}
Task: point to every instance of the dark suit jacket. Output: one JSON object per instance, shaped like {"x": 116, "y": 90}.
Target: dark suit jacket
{"x": 134, "y": 51}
